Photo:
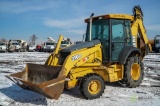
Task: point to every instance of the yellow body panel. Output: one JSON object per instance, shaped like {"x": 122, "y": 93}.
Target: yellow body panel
{"x": 89, "y": 61}
{"x": 109, "y": 74}
{"x": 121, "y": 16}
{"x": 115, "y": 16}
{"x": 83, "y": 53}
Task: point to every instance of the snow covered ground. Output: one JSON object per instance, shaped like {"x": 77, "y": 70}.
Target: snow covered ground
{"x": 10, "y": 94}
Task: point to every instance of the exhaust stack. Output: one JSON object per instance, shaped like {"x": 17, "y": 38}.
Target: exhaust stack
{"x": 90, "y": 26}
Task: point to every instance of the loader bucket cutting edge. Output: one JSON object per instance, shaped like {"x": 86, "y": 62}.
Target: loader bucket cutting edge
{"x": 42, "y": 79}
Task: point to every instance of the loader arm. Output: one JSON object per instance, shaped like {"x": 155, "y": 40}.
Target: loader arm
{"x": 139, "y": 32}
{"x": 53, "y": 58}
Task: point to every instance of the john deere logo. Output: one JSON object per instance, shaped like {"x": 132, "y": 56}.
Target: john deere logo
{"x": 75, "y": 57}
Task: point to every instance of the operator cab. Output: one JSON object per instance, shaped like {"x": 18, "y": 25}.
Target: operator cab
{"x": 114, "y": 32}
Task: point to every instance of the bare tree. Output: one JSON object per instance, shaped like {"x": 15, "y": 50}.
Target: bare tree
{"x": 32, "y": 39}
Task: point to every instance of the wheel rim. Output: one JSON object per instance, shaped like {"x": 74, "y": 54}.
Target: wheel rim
{"x": 94, "y": 87}
{"x": 135, "y": 71}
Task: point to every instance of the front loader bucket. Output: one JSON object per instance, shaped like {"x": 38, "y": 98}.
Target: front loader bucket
{"x": 42, "y": 79}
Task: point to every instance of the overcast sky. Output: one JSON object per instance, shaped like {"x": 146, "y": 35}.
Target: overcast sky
{"x": 20, "y": 19}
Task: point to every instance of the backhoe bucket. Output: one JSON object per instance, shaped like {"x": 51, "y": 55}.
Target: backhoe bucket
{"x": 42, "y": 79}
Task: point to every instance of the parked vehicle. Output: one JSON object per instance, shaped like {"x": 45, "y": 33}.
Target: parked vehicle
{"x": 38, "y": 48}
{"x": 155, "y": 43}
{"x": 14, "y": 46}
{"x": 32, "y": 48}
{"x": 3, "y": 47}
{"x": 49, "y": 46}
{"x": 17, "y": 46}
{"x": 65, "y": 42}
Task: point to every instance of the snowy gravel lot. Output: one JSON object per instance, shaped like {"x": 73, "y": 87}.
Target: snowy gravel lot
{"x": 10, "y": 94}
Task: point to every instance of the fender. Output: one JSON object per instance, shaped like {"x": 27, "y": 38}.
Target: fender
{"x": 126, "y": 52}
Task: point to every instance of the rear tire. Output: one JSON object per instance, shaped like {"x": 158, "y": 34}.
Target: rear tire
{"x": 133, "y": 72}
{"x": 92, "y": 86}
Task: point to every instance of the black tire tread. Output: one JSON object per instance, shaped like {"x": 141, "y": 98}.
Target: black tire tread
{"x": 127, "y": 78}
{"x": 83, "y": 83}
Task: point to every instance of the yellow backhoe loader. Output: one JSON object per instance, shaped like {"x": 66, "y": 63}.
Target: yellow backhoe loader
{"x": 113, "y": 50}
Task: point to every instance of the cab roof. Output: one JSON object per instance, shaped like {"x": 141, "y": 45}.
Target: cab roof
{"x": 113, "y": 16}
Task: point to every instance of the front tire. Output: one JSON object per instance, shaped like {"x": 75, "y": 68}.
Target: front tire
{"x": 133, "y": 72}
{"x": 92, "y": 86}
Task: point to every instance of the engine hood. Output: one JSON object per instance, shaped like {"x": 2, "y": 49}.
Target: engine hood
{"x": 81, "y": 46}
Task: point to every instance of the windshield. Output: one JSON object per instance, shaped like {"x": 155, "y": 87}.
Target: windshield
{"x": 2, "y": 44}
{"x": 64, "y": 42}
{"x": 49, "y": 43}
{"x": 15, "y": 44}
{"x": 157, "y": 41}
{"x": 100, "y": 30}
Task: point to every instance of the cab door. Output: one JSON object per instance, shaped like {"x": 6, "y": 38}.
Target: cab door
{"x": 120, "y": 37}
